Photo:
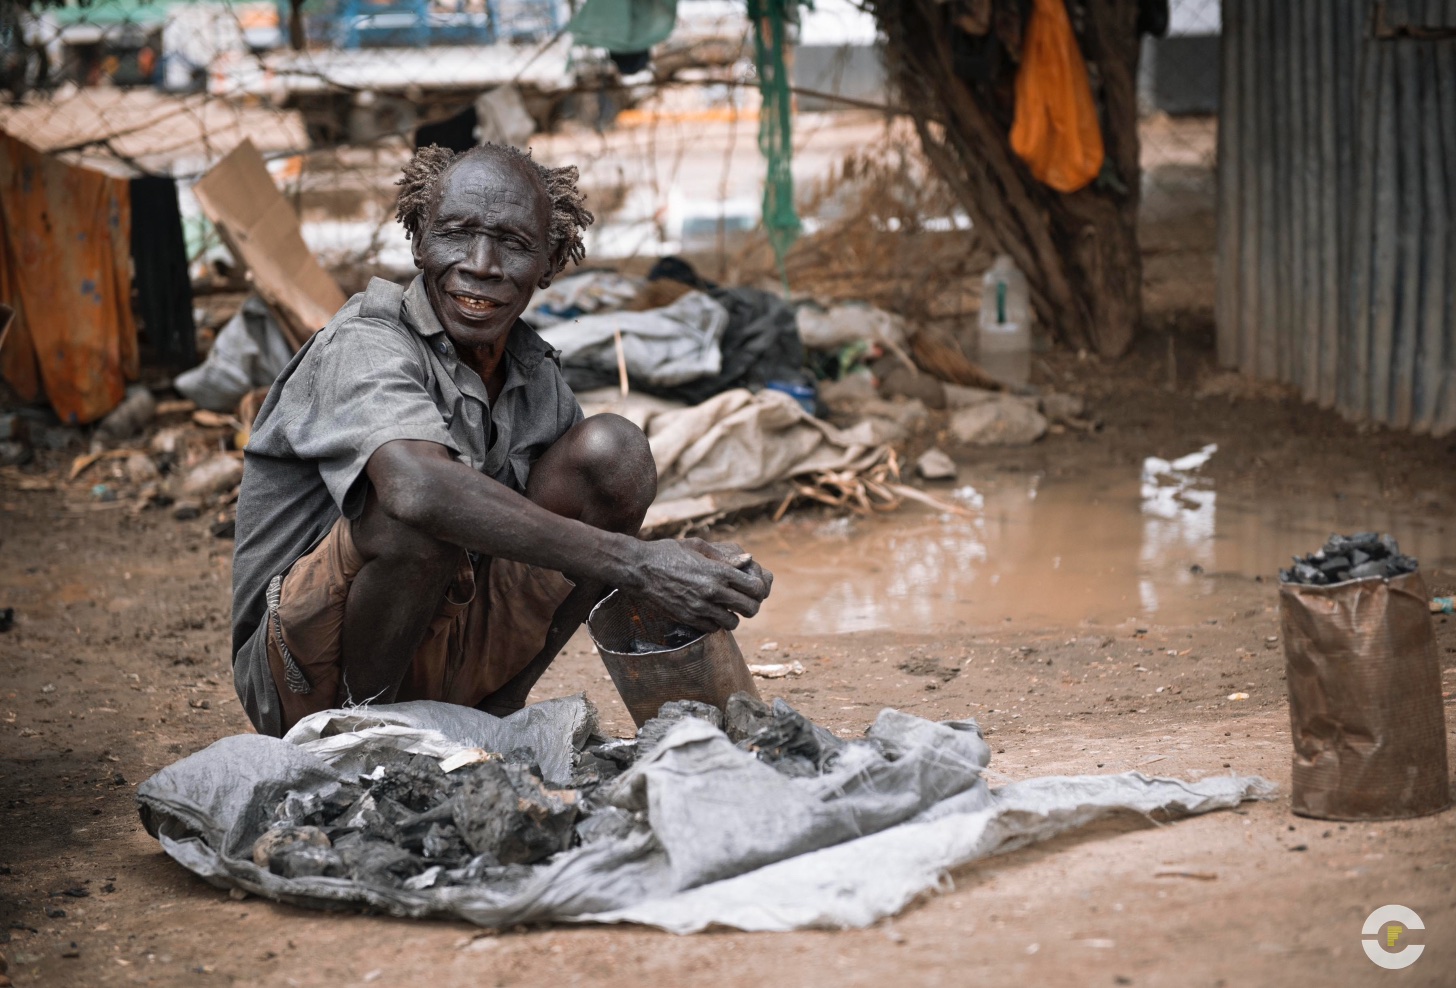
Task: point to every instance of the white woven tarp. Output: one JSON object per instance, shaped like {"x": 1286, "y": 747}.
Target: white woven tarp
{"x": 665, "y": 347}
{"x": 725, "y": 840}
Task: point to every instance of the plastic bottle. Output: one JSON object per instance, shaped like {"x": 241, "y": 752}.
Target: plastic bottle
{"x": 1005, "y": 324}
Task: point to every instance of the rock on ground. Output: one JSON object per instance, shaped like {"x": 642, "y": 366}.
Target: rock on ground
{"x": 1005, "y": 421}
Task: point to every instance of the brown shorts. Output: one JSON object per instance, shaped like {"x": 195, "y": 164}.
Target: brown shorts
{"x": 479, "y": 639}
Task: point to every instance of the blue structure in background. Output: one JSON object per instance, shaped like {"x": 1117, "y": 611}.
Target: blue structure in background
{"x": 353, "y": 24}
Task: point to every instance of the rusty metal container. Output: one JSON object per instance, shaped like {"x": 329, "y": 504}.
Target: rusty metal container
{"x": 709, "y": 668}
{"x": 1365, "y": 702}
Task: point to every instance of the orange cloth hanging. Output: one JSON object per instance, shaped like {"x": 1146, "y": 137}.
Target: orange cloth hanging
{"x": 65, "y": 266}
{"x": 1055, "y": 131}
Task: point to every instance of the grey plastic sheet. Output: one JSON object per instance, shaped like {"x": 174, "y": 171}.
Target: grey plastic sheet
{"x": 720, "y": 839}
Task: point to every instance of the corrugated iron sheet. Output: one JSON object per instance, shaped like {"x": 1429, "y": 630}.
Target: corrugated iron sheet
{"x": 1420, "y": 13}
{"x": 1337, "y": 206}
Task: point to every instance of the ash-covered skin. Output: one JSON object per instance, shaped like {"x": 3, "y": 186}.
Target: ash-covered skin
{"x": 483, "y": 252}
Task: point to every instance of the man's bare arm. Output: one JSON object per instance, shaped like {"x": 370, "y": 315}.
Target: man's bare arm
{"x": 423, "y": 486}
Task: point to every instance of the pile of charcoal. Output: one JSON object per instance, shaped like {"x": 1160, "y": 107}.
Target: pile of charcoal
{"x": 1349, "y": 557}
{"x": 416, "y": 822}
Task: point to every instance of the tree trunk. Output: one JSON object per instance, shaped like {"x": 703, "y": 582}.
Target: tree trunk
{"x": 1079, "y": 251}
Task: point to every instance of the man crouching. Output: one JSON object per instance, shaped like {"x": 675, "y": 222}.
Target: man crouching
{"x": 425, "y": 512}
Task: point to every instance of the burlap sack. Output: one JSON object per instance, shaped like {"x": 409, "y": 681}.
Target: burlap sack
{"x": 1364, "y": 700}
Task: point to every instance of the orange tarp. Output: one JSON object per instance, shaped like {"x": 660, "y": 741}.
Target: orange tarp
{"x": 65, "y": 266}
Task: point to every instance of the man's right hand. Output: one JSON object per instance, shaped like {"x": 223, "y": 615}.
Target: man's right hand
{"x": 703, "y": 592}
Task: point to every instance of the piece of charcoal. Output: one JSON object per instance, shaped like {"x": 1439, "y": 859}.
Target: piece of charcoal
{"x": 669, "y": 714}
{"x": 306, "y": 861}
{"x": 443, "y": 843}
{"x": 378, "y": 862}
{"x": 1334, "y": 564}
{"x": 299, "y": 809}
{"x": 674, "y": 638}
{"x": 374, "y": 816}
{"x": 417, "y": 786}
{"x": 793, "y": 744}
{"x": 602, "y": 760}
{"x": 745, "y": 716}
{"x": 503, "y": 810}
{"x": 608, "y": 823}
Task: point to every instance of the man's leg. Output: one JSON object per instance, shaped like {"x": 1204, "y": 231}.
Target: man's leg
{"x": 601, "y": 473}
{"x": 391, "y": 602}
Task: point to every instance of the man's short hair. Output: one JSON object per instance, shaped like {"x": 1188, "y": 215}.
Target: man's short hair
{"x": 420, "y": 190}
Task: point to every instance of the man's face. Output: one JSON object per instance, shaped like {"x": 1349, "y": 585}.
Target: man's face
{"x": 484, "y": 251}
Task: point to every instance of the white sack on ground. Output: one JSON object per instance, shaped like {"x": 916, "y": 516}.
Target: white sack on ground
{"x": 580, "y": 294}
{"x": 828, "y": 329}
{"x": 664, "y": 347}
{"x": 740, "y": 441}
{"x": 248, "y": 353}
{"x": 716, "y": 836}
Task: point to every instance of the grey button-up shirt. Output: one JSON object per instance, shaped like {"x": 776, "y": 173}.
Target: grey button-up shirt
{"x": 382, "y": 369}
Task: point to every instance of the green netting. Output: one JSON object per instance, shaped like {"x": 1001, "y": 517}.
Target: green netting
{"x": 775, "y": 123}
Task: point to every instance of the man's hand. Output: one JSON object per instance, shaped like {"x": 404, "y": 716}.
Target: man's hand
{"x": 705, "y": 585}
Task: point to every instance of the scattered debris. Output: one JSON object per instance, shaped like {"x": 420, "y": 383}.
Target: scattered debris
{"x": 219, "y": 473}
{"x": 1202, "y": 876}
{"x": 1350, "y": 557}
{"x": 1004, "y": 421}
{"x": 934, "y": 464}
{"x": 777, "y": 670}
{"x": 128, "y": 418}
{"x": 186, "y": 510}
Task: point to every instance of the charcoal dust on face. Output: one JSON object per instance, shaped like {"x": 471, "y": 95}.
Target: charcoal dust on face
{"x": 484, "y": 250}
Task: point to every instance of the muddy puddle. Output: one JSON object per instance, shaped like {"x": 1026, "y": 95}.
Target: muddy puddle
{"x": 1103, "y": 548}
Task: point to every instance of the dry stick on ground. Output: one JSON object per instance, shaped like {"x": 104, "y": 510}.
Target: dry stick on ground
{"x": 1079, "y": 251}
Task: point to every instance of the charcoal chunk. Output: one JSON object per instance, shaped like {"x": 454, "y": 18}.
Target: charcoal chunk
{"x": 793, "y": 744}
{"x": 503, "y": 810}
{"x": 746, "y": 715}
{"x": 669, "y": 714}
{"x": 1361, "y": 556}
{"x": 306, "y": 861}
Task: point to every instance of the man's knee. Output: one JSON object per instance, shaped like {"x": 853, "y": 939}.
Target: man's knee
{"x": 603, "y": 468}
{"x": 381, "y": 538}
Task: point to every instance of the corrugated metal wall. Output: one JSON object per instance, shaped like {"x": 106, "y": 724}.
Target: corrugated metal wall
{"x": 1337, "y": 203}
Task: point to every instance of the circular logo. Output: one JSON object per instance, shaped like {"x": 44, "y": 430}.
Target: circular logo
{"x": 1384, "y": 937}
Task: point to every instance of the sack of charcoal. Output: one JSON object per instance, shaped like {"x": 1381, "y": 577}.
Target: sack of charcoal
{"x": 1364, "y": 683}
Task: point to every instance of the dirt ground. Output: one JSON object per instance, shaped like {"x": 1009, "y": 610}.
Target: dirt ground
{"x": 118, "y": 664}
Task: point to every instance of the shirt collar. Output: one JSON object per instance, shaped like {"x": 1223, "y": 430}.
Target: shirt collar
{"x": 523, "y": 345}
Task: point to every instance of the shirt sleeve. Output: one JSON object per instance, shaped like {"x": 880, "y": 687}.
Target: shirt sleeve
{"x": 367, "y": 384}
{"x": 568, "y": 409}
